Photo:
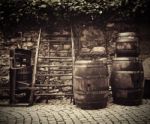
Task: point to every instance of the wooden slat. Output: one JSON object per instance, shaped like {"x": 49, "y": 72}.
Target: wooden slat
{"x": 5, "y": 77}
{"x": 54, "y": 74}
{"x": 57, "y": 35}
{"x": 56, "y": 60}
{"x": 54, "y": 66}
{"x": 57, "y": 94}
{"x": 56, "y": 41}
{"x": 46, "y": 87}
{"x": 51, "y": 85}
{"x": 4, "y": 88}
{"x": 61, "y": 69}
{"x": 61, "y": 52}
{"x": 55, "y": 57}
{"x": 23, "y": 82}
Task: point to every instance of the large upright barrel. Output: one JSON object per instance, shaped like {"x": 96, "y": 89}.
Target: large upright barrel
{"x": 91, "y": 84}
{"x": 127, "y": 81}
{"x": 127, "y": 45}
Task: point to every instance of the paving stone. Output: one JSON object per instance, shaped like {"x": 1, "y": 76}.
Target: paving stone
{"x": 52, "y": 122}
{"x": 12, "y": 120}
{"x": 60, "y": 122}
{"x": 76, "y": 121}
{"x": 35, "y": 122}
{"x": 27, "y": 121}
{"x": 68, "y": 121}
{"x": 116, "y": 122}
{"x": 62, "y": 113}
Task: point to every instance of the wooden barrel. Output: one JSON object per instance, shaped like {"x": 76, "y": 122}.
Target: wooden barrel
{"x": 90, "y": 84}
{"x": 127, "y": 45}
{"x": 127, "y": 81}
{"x": 23, "y": 76}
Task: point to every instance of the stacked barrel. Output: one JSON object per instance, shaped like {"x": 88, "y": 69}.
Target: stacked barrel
{"x": 127, "y": 71}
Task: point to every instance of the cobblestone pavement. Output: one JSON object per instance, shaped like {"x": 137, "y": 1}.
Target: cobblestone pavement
{"x": 62, "y": 113}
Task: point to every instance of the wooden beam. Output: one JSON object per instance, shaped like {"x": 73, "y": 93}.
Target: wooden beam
{"x": 73, "y": 60}
{"x": 35, "y": 67}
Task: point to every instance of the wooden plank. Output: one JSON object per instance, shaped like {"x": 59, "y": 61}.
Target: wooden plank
{"x": 43, "y": 87}
{"x": 55, "y": 57}
{"x": 35, "y": 67}
{"x": 73, "y": 62}
{"x": 46, "y": 94}
{"x": 54, "y": 66}
{"x": 56, "y": 41}
{"x": 12, "y": 85}
{"x": 54, "y": 74}
{"x": 57, "y": 35}
{"x": 61, "y": 69}
{"x": 51, "y": 85}
{"x": 4, "y": 89}
{"x": 60, "y": 52}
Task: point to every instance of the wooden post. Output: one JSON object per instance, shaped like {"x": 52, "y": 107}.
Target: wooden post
{"x": 73, "y": 60}
{"x": 12, "y": 85}
{"x": 35, "y": 68}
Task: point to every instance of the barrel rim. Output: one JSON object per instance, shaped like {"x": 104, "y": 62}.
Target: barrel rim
{"x": 91, "y": 77}
{"x": 126, "y": 59}
{"x": 129, "y": 72}
{"x": 130, "y": 33}
{"x": 90, "y": 61}
{"x": 126, "y": 40}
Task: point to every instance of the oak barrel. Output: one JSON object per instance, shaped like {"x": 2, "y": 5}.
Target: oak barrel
{"x": 127, "y": 45}
{"x": 91, "y": 84}
{"x": 127, "y": 81}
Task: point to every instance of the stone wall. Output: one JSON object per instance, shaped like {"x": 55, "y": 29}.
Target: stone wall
{"x": 86, "y": 36}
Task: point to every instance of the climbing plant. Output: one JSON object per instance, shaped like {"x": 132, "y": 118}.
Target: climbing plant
{"x": 13, "y": 12}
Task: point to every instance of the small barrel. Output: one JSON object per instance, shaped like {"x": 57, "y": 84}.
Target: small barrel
{"x": 127, "y": 81}
{"x": 24, "y": 76}
{"x": 91, "y": 84}
{"x": 127, "y": 45}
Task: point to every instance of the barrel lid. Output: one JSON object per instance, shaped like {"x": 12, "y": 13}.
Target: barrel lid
{"x": 125, "y": 34}
{"x": 126, "y": 59}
